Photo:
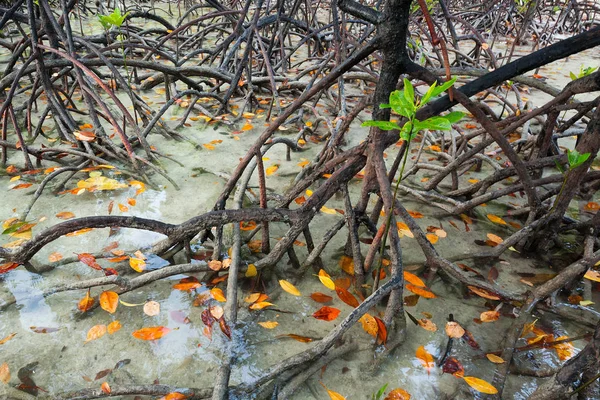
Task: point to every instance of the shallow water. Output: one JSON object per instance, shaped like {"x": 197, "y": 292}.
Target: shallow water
{"x": 187, "y": 358}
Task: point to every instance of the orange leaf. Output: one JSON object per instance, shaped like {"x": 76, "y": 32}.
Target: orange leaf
{"x": 427, "y": 324}
{"x": 151, "y": 333}
{"x": 95, "y": 332}
{"x": 247, "y": 126}
{"x": 415, "y": 214}
{"x": 420, "y": 291}
{"x": 137, "y": 264}
{"x": 6, "y": 339}
{"x": 105, "y": 387}
{"x": 174, "y": 396}
{"x": 65, "y": 215}
{"x": 79, "y": 232}
{"x": 563, "y": 350}
{"x": 495, "y": 359}
{"x": 425, "y": 358}
{"x": 8, "y": 267}
{"x": 86, "y": 303}
{"x": 496, "y": 219}
{"x": 301, "y": 339}
{"x": 398, "y": 394}
{"x": 454, "y": 330}
{"x": 260, "y": 305}
{"x": 369, "y": 324}
{"x": 54, "y": 257}
{"x": 483, "y": 293}
{"x": 109, "y": 301}
{"x": 218, "y": 294}
{"x": 84, "y": 136}
{"x": 432, "y": 238}
{"x": 321, "y": 297}
{"x": 247, "y": 225}
{"x": 187, "y": 286}
{"x": 4, "y": 373}
{"x": 412, "y": 278}
{"x": 381, "y": 331}
{"x": 346, "y": 297}
{"x": 272, "y": 169}
{"x": 489, "y": 316}
{"x": 113, "y": 327}
{"x": 347, "y": 265}
{"x": 326, "y": 313}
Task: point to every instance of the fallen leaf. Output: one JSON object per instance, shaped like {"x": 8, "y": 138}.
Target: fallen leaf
{"x": 269, "y": 324}
{"x": 346, "y": 297}
{"x": 137, "y": 264}
{"x": 105, "y": 387}
{"x": 328, "y": 210}
{"x": 4, "y": 373}
{"x": 218, "y": 294}
{"x": 483, "y": 293}
{"x": 95, "y": 332}
{"x": 272, "y": 169}
{"x": 489, "y": 316}
{"x": 495, "y": 359}
{"x": 174, "y": 396}
{"x": 89, "y": 260}
{"x": 592, "y": 206}
{"x": 151, "y": 333}
{"x": 369, "y": 324}
{"x": 494, "y": 238}
{"x": 301, "y": 339}
{"x": 109, "y": 301}
{"x": 65, "y": 215}
{"x": 333, "y": 395}
{"x": 216, "y": 311}
{"x": 496, "y": 219}
{"x": 251, "y": 271}
{"x": 55, "y": 257}
{"x": 592, "y": 275}
{"x": 415, "y": 214}
{"x": 6, "y": 339}
{"x": 432, "y": 238}
{"x": 454, "y": 367}
{"x": 398, "y": 394}
{"x": 326, "y": 280}
{"x": 427, "y": 324}
{"x": 423, "y": 292}
{"x": 152, "y": 308}
{"x": 454, "y": 330}
{"x": 260, "y": 305}
{"x": 321, "y": 297}
{"x": 113, "y": 327}
{"x": 425, "y": 358}
{"x": 414, "y": 279}
{"x": 564, "y": 350}
{"x": 288, "y": 287}
{"x": 347, "y": 265}
{"x": 480, "y": 385}
{"x": 86, "y": 303}
{"x": 187, "y": 286}
{"x": 326, "y": 313}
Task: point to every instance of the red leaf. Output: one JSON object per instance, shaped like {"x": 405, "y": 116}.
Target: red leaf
{"x": 89, "y": 260}
{"x": 327, "y": 313}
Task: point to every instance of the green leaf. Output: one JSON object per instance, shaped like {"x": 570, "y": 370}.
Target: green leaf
{"x": 113, "y": 19}
{"x": 14, "y": 227}
{"x": 400, "y": 105}
{"x": 573, "y": 76}
{"x": 380, "y": 392}
{"x": 409, "y": 92}
{"x": 576, "y": 159}
{"x": 445, "y": 86}
{"x": 454, "y": 116}
{"x": 559, "y": 167}
{"x": 383, "y": 125}
{"x": 425, "y": 99}
{"x": 408, "y": 132}
{"x": 435, "y": 124}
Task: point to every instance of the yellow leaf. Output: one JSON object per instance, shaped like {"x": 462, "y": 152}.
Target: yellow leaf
{"x": 218, "y": 295}
{"x": 495, "y": 359}
{"x": 432, "y": 238}
{"x": 369, "y": 324}
{"x": 209, "y": 146}
{"x": 268, "y": 324}
{"x": 252, "y": 298}
{"x": 260, "y": 305}
{"x": 480, "y": 385}
{"x": 126, "y": 304}
{"x": 326, "y": 280}
{"x": 347, "y": 265}
{"x": 251, "y": 271}
{"x": 288, "y": 287}
{"x": 65, "y": 215}
{"x": 272, "y": 169}
{"x": 137, "y": 264}
{"x": 592, "y": 275}
{"x": 454, "y": 330}
{"x": 247, "y": 126}
{"x": 333, "y": 395}
{"x": 496, "y": 219}
{"x": 328, "y": 210}
{"x": 141, "y": 186}
{"x": 398, "y": 394}
{"x": 412, "y": 278}
{"x": 494, "y": 238}
{"x": 6, "y": 339}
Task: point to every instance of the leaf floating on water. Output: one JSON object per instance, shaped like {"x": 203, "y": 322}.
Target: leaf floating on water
{"x": 113, "y": 327}
{"x": 251, "y": 271}
{"x": 321, "y": 297}
{"x": 225, "y": 328}
{"x": 328, "y": 210}
{"x": 489, "y": 316}
{"x": 454, "y": 330}
{"x": 151, "y": 333}
{"x": 41, "y": 329}
{"x": 8, "y": 267}
{"x": 563, "y": 350}
{"x": 79, "y": 232}
{"x": 483, "y": 293}
{"x": 86, "y": 303}
{"x": 174, "y": 396}
{"x": 480, "y": 385}
{"x": 420, "y": 291}
{"x": 95, "y": 332}
{"x": 425, "y": 358}
{"x": 6, "y": 339}
{"x": 333, "y": 395}
{"x": 495, "y": 359}
{"x": 496, "y": 219}
{"x": 347, "y": 265}
{"x": 103, "y": 373}
{"x": 187, "y": 286}
{"x": 109, "y": 301}
{"x": 4, "y": 373}
{"x": 346, "y": 297}
{"x": 152, "y": 308}
{"x": 252, "y": 298}
{"x": 381, "y": 331}
{"x": 105, "y": 387}
{"x": 218, "y": 294}
{"x": 89, "y": 260}
{"x": 126, "y": 304}
{"x": 269, "y": 324}
{"x": 398, "y": 394}
{"x": 301, "y": 339}
{"x": 217, "y": 312}
{"x": 433, "y": 239}
{"x": 369, "y": 324}
{"x": 260, "y": 305}
{"x": 427, "y": 324}
{"x": 288, "y": 287}
{"x": 65, "y": 215}
{"x": 326, "y": 313}
{"x": 326, "y": 280}
{"x": 272, "y": 169}
{"x": 137, "y": 264}
{"x": 414, "y": 279}
{"x": 454, "y": 367}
